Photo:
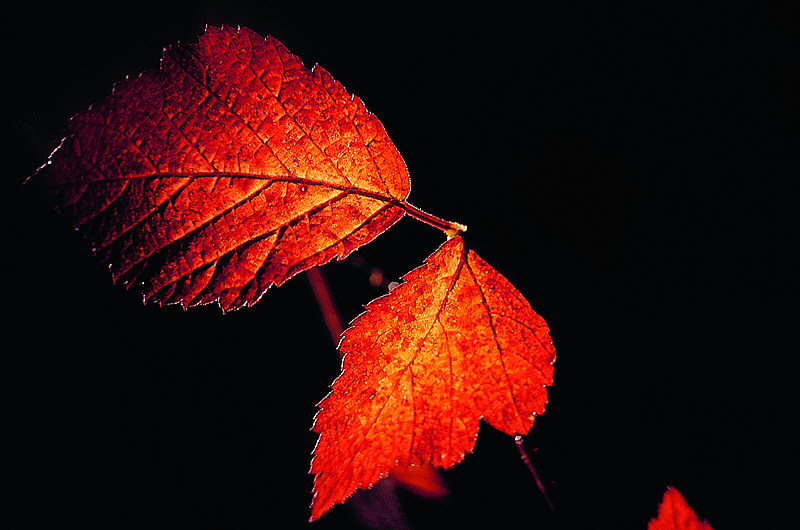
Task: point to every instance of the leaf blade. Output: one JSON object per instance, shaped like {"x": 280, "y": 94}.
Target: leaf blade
{"x": 228, "y": 170}
{"x": 453, "y": 344}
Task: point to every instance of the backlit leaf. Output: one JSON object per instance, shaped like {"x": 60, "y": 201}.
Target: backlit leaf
{"x": 423, "y": 480}
{"x": 674, "y": 513}
{"x": 228, "y": 170}
{"x": 454, "y": 344}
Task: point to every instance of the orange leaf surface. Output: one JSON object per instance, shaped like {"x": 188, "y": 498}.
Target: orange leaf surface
{"x": 674, "y": 513}
{"x": 423, "y": 480}
{"x": 228, "y": 170}
{"x": 453, "y": 344}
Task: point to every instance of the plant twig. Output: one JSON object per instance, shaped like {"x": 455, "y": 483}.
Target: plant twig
{"x": 450, "y": 228}
{"x": 327, "y": 306}
{"x": 524, "y": 454}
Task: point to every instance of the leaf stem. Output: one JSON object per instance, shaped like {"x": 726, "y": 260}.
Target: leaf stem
{"x": 450, "y": 228}
{"x": 327, "y": 305}
{"x": 524, "y": 454}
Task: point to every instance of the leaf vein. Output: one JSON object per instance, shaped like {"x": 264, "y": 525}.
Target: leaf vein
{"x": 496, "y": 340}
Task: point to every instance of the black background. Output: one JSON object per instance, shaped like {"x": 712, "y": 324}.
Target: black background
{"x": 625, "y": 167}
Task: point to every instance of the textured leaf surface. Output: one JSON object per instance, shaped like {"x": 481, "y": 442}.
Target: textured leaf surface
{"x": 229, "y": 170}
{"x": 674, "y": 513}
{"x": 455, "y": 343}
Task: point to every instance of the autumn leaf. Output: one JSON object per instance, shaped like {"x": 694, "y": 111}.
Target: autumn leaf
{"x": 454, "y": 344}
{"x": 674, "y": 513}
{"x": 225, "y": 172}
{"x": 423, "y": 480}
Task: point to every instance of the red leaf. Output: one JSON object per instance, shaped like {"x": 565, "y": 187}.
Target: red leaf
{"x": 230, "y": 169}
{"x": 674, "y": 513}
{"x": 422, "y": 365}
{"x": 423, "y": 480}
